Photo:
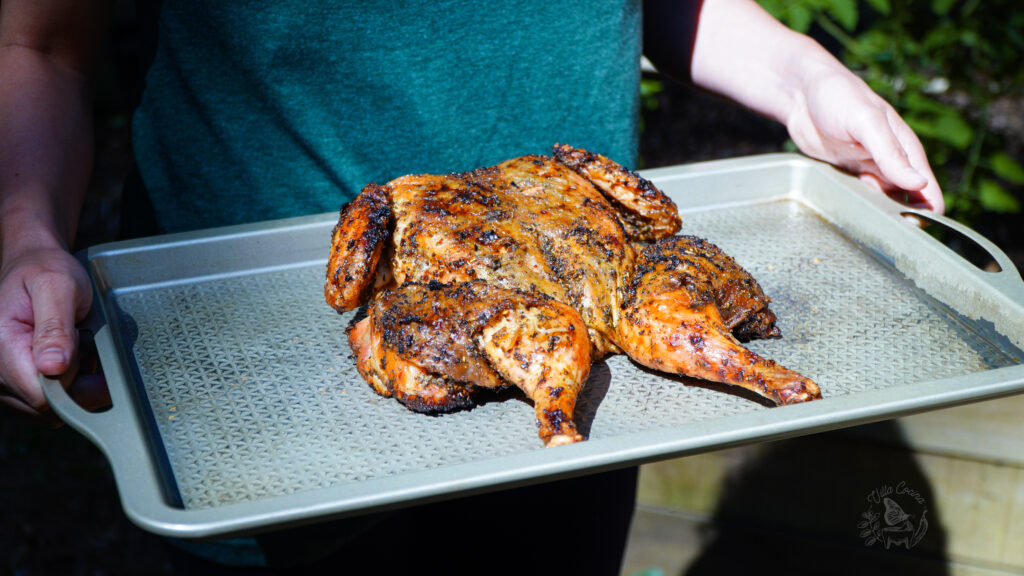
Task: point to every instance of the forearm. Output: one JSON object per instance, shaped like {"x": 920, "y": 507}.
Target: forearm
{"x": 743, "y": 53}
{"x": 46, "y": 146}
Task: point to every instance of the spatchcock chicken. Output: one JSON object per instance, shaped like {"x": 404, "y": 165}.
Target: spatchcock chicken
{"x": 523, "y": 273}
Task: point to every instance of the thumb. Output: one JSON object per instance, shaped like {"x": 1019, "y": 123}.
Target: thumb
{"x": 53, "y": 309}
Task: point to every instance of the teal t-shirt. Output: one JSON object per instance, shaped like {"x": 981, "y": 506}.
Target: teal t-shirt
{"x": 262, "y": 110}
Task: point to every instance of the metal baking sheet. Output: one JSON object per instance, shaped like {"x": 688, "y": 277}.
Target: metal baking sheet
{"x": 237, "y": 406}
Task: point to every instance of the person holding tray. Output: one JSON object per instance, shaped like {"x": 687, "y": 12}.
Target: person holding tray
{"x": 259, "y": 112}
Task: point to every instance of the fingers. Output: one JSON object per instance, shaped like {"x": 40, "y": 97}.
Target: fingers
{"x": 54, "y": 336}
{"x": 930, "y": 198}
{"x": 19, "y": 388}
{"x": 874, "y": 131}
{"x": 897, "y": 163}
{"x": 42, "y": 293}
{"x": 930, "y": 195}
{"x": 858, "y": 131}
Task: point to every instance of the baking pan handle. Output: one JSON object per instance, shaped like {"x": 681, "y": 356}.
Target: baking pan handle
{"x": 1007, "y": 279}
{"x": 100, "y": 427}
{"x": 118, "y": 433}
{"x": 116, "y": 430}
{"x": 106, "y": 428}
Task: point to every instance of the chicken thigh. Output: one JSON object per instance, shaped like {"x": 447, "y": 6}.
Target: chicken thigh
{"x": 685, "y": 306}
{"x": 431, "y": 346}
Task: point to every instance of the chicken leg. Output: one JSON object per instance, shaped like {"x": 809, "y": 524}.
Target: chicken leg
{"x": 429, "y": 346}
{"x": 684, "y": 300}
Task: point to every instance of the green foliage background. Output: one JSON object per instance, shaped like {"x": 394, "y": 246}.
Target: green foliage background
{"x": 942, "y": 64}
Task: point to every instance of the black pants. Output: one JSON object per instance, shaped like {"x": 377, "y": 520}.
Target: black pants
{"x": 576, "y": 526}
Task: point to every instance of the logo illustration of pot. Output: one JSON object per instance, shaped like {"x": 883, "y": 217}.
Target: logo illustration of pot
{"x": 891, "y": 525}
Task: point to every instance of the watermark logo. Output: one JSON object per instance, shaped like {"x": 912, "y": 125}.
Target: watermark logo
{"x": 896, "y": 516}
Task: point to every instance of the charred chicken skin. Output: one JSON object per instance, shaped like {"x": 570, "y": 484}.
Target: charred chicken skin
{"x": 431, "y": 346}
{"x": 685, "y": 306}
{"x": 491, "y": 278}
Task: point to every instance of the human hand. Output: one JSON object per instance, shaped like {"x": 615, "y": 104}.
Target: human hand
{"x": 839, "y": 119}
{"x": 744, "y": 54}
{"x": 43, "y": 292}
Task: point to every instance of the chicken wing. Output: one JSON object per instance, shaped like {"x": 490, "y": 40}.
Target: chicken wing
{"x": 646, "y": 214}
{"x": 357, "y": 242}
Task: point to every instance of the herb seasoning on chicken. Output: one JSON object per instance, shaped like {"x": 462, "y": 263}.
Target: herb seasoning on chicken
{"x": 492, "y": 277}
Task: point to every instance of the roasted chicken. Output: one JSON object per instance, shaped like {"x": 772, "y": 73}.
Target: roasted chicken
{"x": 492, "y": 278}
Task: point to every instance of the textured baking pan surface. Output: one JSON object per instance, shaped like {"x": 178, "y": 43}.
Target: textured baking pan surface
{"x": 237, "y": 405}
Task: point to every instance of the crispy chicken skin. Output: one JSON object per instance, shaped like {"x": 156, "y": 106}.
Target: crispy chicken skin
{"x": 357, "y": 243}
{"x": 430, "y": 345}
{"x": 645, "y": 212}
{"x": 568, "y": 227}
{"x": 681, "y": 308}
{"x": 740, "y": 299}
{"x": 529, "y": 223}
